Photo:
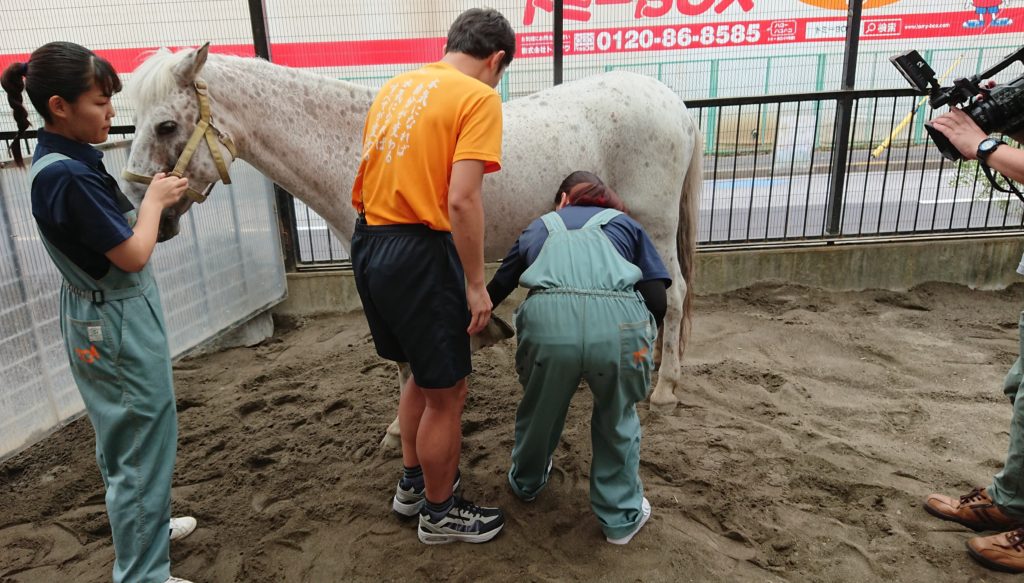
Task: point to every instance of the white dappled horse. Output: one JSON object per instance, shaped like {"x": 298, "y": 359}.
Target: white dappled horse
{"x": 197, "y": 112}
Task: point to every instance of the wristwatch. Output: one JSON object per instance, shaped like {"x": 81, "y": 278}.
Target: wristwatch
{"x": 987, "y": 146}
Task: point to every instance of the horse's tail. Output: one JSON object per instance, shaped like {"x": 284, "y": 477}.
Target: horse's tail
{"x": 689, "y": 221}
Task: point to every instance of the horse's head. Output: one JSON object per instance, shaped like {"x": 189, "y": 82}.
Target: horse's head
{"x": 177, "y": 130}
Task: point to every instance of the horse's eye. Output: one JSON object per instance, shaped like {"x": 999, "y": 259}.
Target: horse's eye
{"x": 166, "y": 128}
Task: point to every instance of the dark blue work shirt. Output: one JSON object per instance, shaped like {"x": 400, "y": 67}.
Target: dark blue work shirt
{"x": 626, "y": 235}
{"x": 78, "y": 206}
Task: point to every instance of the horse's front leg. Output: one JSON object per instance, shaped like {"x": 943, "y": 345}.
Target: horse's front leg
{"x": 393, "y": 435}
{"x": 495, "y": 331}
{"x": 670, "y": 372}
{"x": 657, "y": 346}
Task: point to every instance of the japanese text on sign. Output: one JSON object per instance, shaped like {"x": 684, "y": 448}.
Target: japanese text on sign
{"x": 580, "y": 10}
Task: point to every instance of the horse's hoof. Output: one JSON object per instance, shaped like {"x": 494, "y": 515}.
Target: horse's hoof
{"x": 663, "y": 408}
{"x": 390, "y": 441}
{"x": 662, "y": 403}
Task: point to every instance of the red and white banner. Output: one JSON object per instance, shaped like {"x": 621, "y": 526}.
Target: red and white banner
{"x": 759, "y": 32}
{"x": 596, "y": 27}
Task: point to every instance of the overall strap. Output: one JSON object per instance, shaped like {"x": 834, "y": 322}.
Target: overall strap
{"x": 602, "y": 218}
{"x": 43, "y": 162}
{"x": 99, "y": 296}
{"x": 87, "y": 288}
{"x": 554, "y": 223}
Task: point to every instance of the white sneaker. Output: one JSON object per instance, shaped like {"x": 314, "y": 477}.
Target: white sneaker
{"x": 646, "y": 508}
{"x": 176, "y": 580}
{"x": 181, "y": 527}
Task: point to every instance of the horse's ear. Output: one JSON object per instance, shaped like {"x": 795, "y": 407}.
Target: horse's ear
{"x": 188, "y": 69}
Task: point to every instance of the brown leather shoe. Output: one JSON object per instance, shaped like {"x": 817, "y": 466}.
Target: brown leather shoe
{"x": 1002, "y": 552}
{"x": 975, "y": 510}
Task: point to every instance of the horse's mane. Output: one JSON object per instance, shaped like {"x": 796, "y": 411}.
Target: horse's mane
{"x": 154, "y": 79}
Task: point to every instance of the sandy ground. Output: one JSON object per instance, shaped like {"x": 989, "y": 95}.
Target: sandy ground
{"x": 811, "y": 426}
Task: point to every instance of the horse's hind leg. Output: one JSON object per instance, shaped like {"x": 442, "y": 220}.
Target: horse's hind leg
{"x": 670, "y": 371}
{"x": 393, "y": 435}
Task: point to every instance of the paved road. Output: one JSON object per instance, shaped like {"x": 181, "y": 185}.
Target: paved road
{"x": 875, "y": 203}
{"x": 762, "y": 205}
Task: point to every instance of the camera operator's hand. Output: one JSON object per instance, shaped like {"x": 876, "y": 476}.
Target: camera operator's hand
{"x": 961, "y": 131}
{"x": 965, "y": 135}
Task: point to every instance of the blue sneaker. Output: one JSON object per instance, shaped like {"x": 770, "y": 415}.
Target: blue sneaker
{"x": 1002, "y": 22}
{"x": 464, "y": 522}
{"x": 408, "y": 500}
{"x": 974, "y": 23}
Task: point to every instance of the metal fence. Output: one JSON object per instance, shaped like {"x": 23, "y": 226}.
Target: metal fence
{"x": 769, "y": 166}
{"x": 769, "y": 170}
{"x": 775, "y": 168}
{"x": 793, "y": 96}
{"x": 224, "y": 266}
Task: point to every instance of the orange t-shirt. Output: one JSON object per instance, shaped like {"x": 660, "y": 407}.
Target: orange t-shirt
{"x": 420, "y": 123}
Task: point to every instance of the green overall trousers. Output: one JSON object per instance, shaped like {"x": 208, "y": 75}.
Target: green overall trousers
{"x": 116, "y": 341}
{"x": 1007, "y": 489}
{"x": 583, "y": 319}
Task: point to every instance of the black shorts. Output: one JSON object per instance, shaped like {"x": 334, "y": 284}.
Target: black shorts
{"x": 413, "y": 290}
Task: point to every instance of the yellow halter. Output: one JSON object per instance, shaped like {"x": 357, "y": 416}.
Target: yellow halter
{"x": 204, "y": 129}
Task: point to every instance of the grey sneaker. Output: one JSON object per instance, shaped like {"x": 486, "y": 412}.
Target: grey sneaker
{"x": 465, "y": 522}
{"x": 408, "y": 501}
{"x": 176, "y": 580}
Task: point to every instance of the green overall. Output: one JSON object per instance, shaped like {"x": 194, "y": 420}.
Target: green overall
{"x": 1007, "y": 489}
{"x": 583, "y": 319}
{"x": 116, "y": 341}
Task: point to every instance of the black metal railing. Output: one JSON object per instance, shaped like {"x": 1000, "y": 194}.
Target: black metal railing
{"x": 770, "y": 171}
{"x": 28, "y": 142}
{"x": 778, "y": 168}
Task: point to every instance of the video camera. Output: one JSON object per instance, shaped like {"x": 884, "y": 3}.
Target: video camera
{"x": 1000, "y": 109}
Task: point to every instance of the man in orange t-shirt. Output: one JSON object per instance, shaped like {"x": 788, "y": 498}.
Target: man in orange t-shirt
{"x": 417, "y": 252}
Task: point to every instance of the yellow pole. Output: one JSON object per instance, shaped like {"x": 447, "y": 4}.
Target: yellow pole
{"x": 906, "y": 120}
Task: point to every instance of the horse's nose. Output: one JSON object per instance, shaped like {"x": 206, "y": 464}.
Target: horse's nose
{"x": 168, "y": 227}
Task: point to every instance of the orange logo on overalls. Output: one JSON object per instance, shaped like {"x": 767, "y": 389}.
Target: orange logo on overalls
{"x": 88, "y": 356}
{"x": 639, "y": 356}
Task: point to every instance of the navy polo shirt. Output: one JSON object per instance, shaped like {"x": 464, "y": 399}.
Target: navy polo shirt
{"x": 625, "y": 234}
{"x": 78, "y": 206}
